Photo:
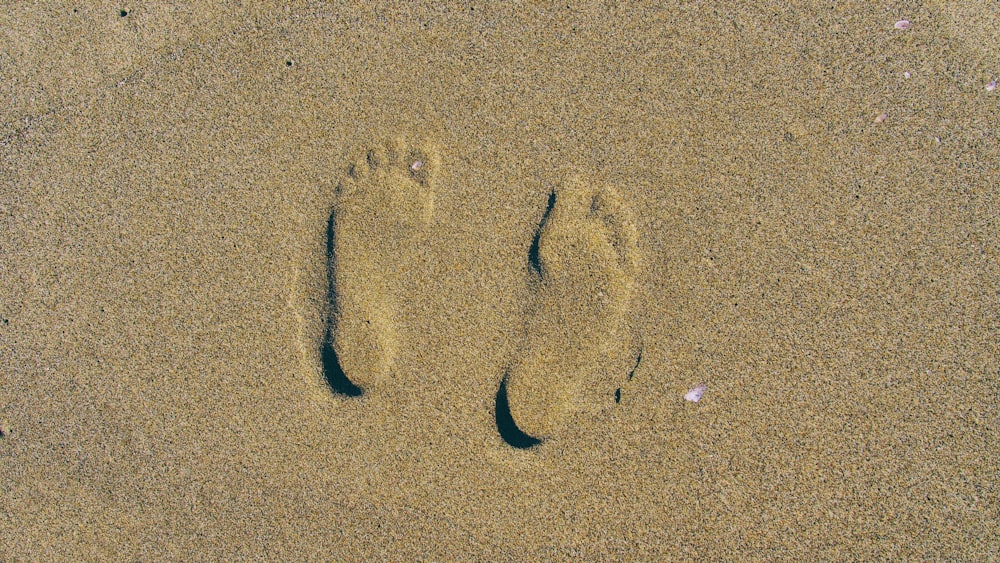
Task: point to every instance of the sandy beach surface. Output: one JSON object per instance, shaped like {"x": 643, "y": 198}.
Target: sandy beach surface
{"x": 430, "y": 281}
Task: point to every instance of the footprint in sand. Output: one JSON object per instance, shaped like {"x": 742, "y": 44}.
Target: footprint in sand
{"x": 578, "y": 346}
{"x": 381, "y": 209}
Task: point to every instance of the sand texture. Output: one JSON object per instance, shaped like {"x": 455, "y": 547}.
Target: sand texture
{"x": 430, "y": 282}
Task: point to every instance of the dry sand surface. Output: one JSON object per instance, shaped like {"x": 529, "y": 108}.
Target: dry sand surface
{"x": 426, "y": 281}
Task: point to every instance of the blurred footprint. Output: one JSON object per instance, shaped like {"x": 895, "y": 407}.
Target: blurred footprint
{"x": 578, "y": 348}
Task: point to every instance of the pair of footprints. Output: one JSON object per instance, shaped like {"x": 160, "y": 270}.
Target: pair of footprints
{"x": 578, "y": 346}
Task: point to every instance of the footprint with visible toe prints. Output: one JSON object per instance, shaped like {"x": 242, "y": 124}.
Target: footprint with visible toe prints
{"x": 382, "y": 208}
{"x": 578, "y": 340}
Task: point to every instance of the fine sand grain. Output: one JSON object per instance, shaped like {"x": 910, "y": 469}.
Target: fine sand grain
{"x": 427, "y": 281}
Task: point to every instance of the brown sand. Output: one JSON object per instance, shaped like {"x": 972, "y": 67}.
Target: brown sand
{"x": 168, "y": 176}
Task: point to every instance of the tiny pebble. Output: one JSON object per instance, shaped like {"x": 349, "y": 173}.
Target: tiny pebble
{"x": 902, "y": 24}
{"x": 991, "y": 86}
{"x": 694, "y": 395}
{"x": 417, "y": 165}
{"x": 906, "y": 74}
{"x": 881, "y": 117}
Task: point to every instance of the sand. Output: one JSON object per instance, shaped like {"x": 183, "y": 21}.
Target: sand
{"x": 431, "y": 282}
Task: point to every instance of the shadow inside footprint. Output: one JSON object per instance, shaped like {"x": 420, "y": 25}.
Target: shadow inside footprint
{"x": 505, "y": 422}
{"x": 332, "y": 372}
{"x": 533, "y": 260}
{"x": 334, "y": 375}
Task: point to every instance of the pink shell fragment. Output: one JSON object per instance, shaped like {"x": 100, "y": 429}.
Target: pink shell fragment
{"x": 881, "y": 117}
{"x": 902, "y": 24}
{"x": 694, "y": 395}
{"x": 991, "y": 86}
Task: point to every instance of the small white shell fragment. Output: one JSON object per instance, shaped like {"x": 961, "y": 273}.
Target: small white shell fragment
{"x": 906, "y": 74}
{"x": 417, "y": 165}
{"x": 694, "y": 395}
{"x": 902, "y": 24}
{"x": 991, "y": 86}
{"x": 881, "y": 117}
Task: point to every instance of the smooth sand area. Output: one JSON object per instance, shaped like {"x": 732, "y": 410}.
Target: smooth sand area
{"x": 431, "y": 282}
